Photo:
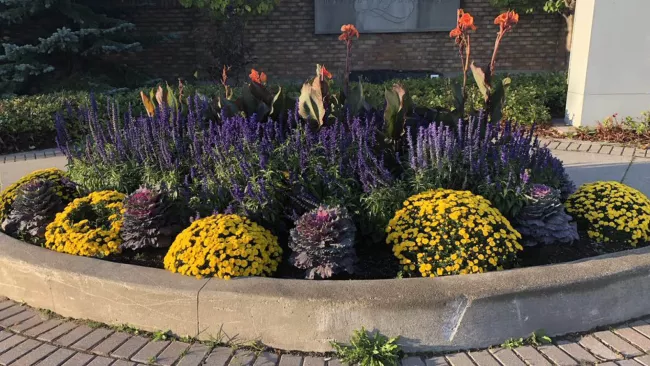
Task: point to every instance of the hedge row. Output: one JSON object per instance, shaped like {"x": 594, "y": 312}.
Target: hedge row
{"x": 27, "y": 122}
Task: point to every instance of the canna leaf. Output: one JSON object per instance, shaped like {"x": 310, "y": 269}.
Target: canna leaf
{"x": 261, "y": 93}
{"x": 398, "y": 105}
{"x": 148, "y": 105}
{"x": 172, "y": 102}
{"x": 279, "y": 105}
{"x": 479, "y": 77}
{"x": 459, "y": 98}
{"x": 161, "y": 96}
{"x": 311, "y": 103}
{"x": 497, "y": 100}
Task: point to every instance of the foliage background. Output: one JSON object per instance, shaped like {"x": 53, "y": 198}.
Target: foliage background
{"x": 27, "y": 122}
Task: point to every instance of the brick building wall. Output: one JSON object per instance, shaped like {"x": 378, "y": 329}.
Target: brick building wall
{"x": 284, "y": 45}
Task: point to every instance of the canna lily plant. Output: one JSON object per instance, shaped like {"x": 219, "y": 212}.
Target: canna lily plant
{"x": 314, "y": 101}
{"x": 493, "y": 93}
{"x": 352, "y": 101}
{"x": 256, "y": 98}
{"x": 348, "y": 33}
{"x": 165, "y": 97}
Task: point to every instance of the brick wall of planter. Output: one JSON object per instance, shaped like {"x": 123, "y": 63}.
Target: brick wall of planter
{"x": 284, "y": 45}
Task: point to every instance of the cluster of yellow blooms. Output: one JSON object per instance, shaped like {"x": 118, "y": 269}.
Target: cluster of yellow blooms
{"x": 611, "y": 211}
{"x": 224, "y": 246}
{"x": 8, "y": 196}
{"x": 88, "y": 226}
{"x": 444, "y": 232}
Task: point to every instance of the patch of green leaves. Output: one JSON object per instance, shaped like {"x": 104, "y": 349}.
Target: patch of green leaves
{"x": 536, "y": 338}
{"x": 369, "y": 349}
{"x": 126, "y": 328}
{"x": 161, "y": 335}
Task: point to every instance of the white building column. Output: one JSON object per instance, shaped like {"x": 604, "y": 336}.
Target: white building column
{"x": 609, "y": 69}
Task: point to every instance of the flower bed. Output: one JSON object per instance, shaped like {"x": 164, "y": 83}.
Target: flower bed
{"x": 318, "y": 188}
{"x": 281, "y": 198}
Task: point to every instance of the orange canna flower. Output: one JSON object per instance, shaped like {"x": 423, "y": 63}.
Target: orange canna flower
{"x": 255, "y": 76}
{"x": 455, "y": 33}
{"x": 263, "y": 78}
{"x": 507, "y": 20}
{"x": 324, "y": 73}
{"x": 466, "y": 21}
{"x": 348, "y": 31}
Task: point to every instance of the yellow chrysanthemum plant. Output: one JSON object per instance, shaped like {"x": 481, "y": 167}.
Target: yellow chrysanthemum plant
{"x": 62, "y": 188}
{"x": 89, "y": 226}
{"x": 446, "y": 232}
{"x": 224, "y": 246}
{"x": 611, "y": 212}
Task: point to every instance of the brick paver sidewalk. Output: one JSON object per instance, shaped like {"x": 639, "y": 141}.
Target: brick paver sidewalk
{"x": 28, "y": 337}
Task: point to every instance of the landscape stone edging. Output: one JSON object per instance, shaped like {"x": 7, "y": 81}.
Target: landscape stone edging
{"x": 441, "y": 314}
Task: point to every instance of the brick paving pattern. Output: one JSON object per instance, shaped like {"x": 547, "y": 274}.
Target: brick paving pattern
{"x": 594, "y": 147}
{"x": 30, "y": 339}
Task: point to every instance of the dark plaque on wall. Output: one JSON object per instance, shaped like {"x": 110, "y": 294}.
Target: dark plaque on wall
{"x": 386, "y": 16}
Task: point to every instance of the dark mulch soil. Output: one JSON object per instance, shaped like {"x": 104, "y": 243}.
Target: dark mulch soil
{"x": 377, "y": 261}
{"x": 612, "y": 134}
{"x": 560, "y": 253}
{"x": 150, "y": 257}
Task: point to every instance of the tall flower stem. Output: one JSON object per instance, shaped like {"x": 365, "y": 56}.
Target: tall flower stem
{"x": 348, "y": 32}
{"x": 348, "y": 57}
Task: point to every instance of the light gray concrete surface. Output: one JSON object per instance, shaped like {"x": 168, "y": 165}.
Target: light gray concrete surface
{"x": 108, "y": 292}
{"x": 441, "y": 314}
{"x": 12, "y": 171}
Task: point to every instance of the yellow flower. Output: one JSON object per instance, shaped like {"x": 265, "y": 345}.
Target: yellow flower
{"x": 611, "y": 211}
{"x": 224, "y": 246}
{"x": 82, "y": 238}
{"x": 444, "y": 231}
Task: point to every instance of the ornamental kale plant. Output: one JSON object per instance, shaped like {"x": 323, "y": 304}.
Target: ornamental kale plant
{"x": 497, "y": 161}
{"x": 35, "y": 206}
{"x": 323, "y": 243}
{"x": 151, "y": 219}
{"x": 543, "y": 220}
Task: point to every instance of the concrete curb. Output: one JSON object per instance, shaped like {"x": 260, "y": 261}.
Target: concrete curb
{"x": 30, "y": 155}
{"x": 442, "y": 314}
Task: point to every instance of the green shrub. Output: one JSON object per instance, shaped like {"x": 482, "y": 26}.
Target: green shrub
{"x": 27, "y": 122}
{"x": 523, "y": 106}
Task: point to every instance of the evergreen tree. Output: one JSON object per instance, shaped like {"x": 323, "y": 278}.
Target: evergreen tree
{"x": 55, "y": 39}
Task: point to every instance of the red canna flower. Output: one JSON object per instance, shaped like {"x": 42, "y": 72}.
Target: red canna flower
{"x": 507, "y": 20}
{"x": 348, "y": 31}
{"x": 324, "y": 73}
{"x": 255, "y": 76}
{"x": 455, "y": 33}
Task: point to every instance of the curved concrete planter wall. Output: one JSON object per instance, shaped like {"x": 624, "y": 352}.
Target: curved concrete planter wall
{"x": 449, "y": 313}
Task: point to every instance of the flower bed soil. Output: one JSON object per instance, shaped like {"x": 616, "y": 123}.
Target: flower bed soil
{"x": 611, "y": 134}
{"x": 378, "y": 262}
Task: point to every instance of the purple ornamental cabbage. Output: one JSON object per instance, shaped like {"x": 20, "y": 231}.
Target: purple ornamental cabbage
{"x": 543, "y": 219}
{"x": 323, "y": 243}
{"x": 150, "y": 220}
{"x": 36, "y": 205}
